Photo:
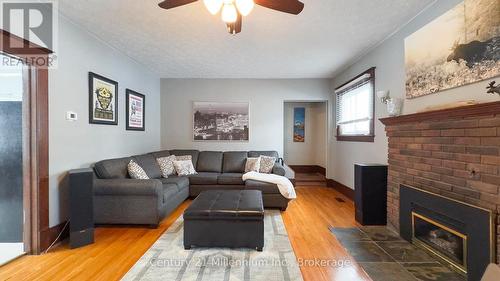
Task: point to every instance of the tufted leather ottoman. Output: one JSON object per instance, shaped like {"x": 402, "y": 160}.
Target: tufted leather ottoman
{"x": 229, "y": 218}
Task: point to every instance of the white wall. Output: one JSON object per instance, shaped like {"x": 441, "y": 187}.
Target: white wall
{"x": 390, "y": 75}
{"x": 313, "y": 150}
{"x": 79, "y": 144}
{"x": 266, "y": 99}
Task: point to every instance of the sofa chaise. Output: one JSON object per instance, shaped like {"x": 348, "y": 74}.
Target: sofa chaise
{"x": 118, "y": 199}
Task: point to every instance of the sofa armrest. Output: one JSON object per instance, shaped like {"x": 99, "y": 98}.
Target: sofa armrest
{"x": 126, "y": 187}
{"x": 278, "y": 169}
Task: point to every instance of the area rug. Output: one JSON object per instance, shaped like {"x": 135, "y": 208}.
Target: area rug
{"x": 167, "y": 259}
{"x": 387, "y": 257}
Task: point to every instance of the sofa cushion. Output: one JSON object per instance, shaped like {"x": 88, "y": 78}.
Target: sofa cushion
{"x": 230, "y": 179}
{"x": 149, "y": 164}
{"x": 209, "y": 161}
{"x": 112, "y": 168}
{"x": 266, "y": 188}
{"x": 265, "y": 153}
{"x": 169, "y": 191}
{"x": 181, "y": 182}
{"x": 195, "y": 190}
{"x": 234, "y": 161}
{"x": 160, "y": 154}
{"x": 182, "y": 152}
{"x": 203, "y": 178}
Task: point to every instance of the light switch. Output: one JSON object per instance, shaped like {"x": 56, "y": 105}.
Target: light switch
{"x": 71, "y": 116}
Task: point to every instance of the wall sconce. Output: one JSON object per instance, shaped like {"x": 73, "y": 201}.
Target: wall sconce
{"x": 394, "y": 105}
{"x": 384, "y": 96}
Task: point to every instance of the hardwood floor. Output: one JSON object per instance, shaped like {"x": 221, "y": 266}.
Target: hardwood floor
{"x": 117, "y": 249}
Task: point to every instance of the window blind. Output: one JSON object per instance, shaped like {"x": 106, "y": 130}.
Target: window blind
{"x": 355, "y": 107}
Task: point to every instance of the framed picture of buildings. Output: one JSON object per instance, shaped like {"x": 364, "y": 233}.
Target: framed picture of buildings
{"x": 221, "y": 121}
{"x": 135, "y": 111}
{"x": 103, "y": 100}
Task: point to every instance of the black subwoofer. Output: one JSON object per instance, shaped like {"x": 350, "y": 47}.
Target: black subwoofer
{"x": 81, "y": 210}
{"x": 370, "y": 194}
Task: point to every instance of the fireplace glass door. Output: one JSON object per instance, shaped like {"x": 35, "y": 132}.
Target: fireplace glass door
{"x": 442, "y": 241}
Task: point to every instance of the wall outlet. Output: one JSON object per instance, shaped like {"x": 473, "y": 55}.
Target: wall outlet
{"x": 71, "y": 116}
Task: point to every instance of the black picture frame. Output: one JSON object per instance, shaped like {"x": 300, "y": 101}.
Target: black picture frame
{"x": 129, "y": 94}
{"x": 92, "y": 117}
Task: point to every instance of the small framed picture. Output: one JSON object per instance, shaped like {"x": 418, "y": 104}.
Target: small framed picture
{"x": 136, "y": 111}
{"x": 103, "y": 100}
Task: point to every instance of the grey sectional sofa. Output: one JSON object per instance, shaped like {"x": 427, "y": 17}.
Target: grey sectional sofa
{"x": 118, "y": 199}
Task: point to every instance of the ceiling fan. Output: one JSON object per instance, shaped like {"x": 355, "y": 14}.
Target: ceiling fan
{"x": 233, "y": 11}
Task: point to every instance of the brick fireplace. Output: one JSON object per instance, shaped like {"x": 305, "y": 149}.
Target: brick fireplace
{"x": 454, "y": 153}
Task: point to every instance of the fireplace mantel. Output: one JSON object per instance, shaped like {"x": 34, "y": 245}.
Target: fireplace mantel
{"x": 490, "y": 108}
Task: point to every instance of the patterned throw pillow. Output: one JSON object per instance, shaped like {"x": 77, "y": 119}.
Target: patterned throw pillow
{"x": 183, "y": 158}
{"x": 167, "y": 165}
{"x": 136, "y": 172}
{"x": 252, "y": 165}
{"x": 266, "y": 164}
{"x": 184, "y": 168}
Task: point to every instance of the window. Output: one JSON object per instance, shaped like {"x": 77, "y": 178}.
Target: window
{"x": 355, "y": 108}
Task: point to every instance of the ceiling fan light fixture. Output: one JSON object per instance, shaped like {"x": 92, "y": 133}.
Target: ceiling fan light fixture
{"x": 213, "y": 6}
{"x": 245, "y": 6}
{"x": 229, "y": 13}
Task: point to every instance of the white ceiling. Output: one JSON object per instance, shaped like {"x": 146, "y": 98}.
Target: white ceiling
{"x": 188, "y": 42}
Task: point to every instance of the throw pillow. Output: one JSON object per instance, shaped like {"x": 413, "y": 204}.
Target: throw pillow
{"x": 184, "y": 168}
{"x": 266, "y": 164}
{"x": 136, "y": 171}
{"x": 183, "y": 157}
{"x": 167, "y": 165}
{"x": 252, "y": 165}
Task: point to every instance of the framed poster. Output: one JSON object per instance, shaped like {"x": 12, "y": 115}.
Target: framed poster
{"x": 221, "y": 121}
{"x": 299, "y": 124}
{"x": 135, "y": 111}
{"x": 458, "y": 48}
{"x": 103, "y": 100}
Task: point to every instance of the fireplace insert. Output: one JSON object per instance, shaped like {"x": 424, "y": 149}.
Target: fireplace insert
{"x": 462, "y": 235}
{"x": 440, "y": 240}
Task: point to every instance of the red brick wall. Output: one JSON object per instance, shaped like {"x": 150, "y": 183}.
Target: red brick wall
{"x": 457, "y": 158}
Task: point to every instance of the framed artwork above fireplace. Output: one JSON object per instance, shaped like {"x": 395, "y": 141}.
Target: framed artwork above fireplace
{"x": 464, "y": 53}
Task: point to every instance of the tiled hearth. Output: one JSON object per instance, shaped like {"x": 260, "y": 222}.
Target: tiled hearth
{"x": 387, "y": 257}
{"x": 454, "y": 153}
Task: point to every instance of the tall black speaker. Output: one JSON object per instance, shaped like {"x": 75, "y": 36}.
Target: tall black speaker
{"x": 370, "y": 194}
{"x": 81, "y": 207}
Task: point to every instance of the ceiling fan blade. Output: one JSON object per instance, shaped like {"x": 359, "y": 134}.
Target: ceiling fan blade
{"x": 169, "y": 4}
{"x": 235, "y": 28}
{"x": 285, "y": 6}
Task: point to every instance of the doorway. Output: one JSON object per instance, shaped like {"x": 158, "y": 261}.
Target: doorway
{"x": 13, "y": 117}
{"x": 305, "y": 141}
{"x": 24, "y": 149}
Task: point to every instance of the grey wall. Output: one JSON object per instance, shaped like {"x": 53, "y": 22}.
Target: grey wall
{"x": 79, "y": 144}
{"x": 390, "y": 75}
{"x": 266, "y": 99}
{"x": 313, "y": 150}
